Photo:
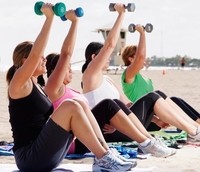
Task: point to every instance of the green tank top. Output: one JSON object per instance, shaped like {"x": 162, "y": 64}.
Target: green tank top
{"x": 138, "y": 88}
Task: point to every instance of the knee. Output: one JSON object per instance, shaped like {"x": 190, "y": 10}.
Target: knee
{"x": 83, "y": 104}
{"x": 107, "y": 102}
{"x": 68, "y": 110}
{"x": 70, "y": 106}
{"x": 163, "y": 95}
{"x": 153, "y": 96}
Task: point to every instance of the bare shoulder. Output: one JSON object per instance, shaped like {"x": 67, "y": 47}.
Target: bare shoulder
{"x": 16, "y": 91}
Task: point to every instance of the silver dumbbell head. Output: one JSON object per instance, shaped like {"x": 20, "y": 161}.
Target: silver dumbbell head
{"x": 148, "y": 27}
{"x": 130, "y": 7}
{"x": 131, "y": 28}
{"x": 111, "y": 7}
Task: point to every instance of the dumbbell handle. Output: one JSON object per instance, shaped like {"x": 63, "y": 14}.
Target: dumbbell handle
{"x": 78, "y": 11}
{"x": 148, "y": 28}
{"x": 129, "y": 7}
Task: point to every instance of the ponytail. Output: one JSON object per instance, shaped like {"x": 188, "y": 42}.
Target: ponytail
{"x": 10, "y": 73}
{"x": 84, "y": 67}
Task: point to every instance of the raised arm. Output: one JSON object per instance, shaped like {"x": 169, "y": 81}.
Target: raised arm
{"x": 103, "y": 56}
{"x": 19, "y": 84}
{"x": 93, "y": 75}
{"x": 138, "y": 59}
{"x": 62, "y": 68}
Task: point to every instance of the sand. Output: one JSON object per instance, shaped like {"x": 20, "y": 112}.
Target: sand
{"x": 181, "y": 83}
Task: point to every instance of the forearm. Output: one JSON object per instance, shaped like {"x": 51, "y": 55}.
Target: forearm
{"x": 141, "y": 50}
{"x": 114, "y": 32}
{"x": 42, "y": 38}
{"x": 37, "y": 51}
{"x": 70, "y": 40}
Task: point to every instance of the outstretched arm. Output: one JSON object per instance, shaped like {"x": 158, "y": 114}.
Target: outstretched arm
{"x": 19, "y": 81}
{"x": 103, "y": 56}
{"x": 137, "y": 62}
{"x": 63, "y": 68}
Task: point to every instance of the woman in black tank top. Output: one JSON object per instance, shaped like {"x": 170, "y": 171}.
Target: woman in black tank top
{"x": 42, "y": 137}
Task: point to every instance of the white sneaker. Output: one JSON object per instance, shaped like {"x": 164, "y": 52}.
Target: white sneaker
{"x": 163, "y": 144}
{"x": 157, "y": 149}
{"x": 110, "y": 163}
{"x": 195, "y": 138}
{"x": 117, "y": 154}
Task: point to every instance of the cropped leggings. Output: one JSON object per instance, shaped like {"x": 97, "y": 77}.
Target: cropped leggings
{"x": 108, "y": 108}
{"x": 188, "y": 109}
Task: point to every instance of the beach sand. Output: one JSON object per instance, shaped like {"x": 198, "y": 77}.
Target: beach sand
{"x": 180, "y": 83}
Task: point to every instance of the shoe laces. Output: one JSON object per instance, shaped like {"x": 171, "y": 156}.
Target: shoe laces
{"x": 109, "y": 161}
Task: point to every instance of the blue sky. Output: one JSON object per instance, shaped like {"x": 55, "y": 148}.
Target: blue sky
{"x": 176, "y": 26}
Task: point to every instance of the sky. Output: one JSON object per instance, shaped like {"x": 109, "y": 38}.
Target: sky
{"x": 176, "y": 26}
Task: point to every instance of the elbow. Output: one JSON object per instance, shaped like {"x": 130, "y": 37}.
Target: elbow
{"x": 110, "y": 45}
{"x": 142, "y": 57}
{"x": 66, "y": 54}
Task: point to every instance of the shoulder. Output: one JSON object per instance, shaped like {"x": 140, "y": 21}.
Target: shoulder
{"x": 16, "y": 92}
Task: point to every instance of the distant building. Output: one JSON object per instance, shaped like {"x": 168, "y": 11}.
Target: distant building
{"x": 116, "y": 59}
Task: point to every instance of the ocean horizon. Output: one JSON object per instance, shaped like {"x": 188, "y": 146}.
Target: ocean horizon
{"x": 120, "y": 68}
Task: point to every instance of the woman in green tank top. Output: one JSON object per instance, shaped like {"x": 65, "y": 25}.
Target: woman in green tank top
{"x": 135, "y": 85}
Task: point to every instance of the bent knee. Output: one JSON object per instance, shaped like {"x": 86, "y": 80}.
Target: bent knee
{"x": 153, "y": 96}
{"x": 162, "y": 94}
{"x": 81, "y": 102}
{"x": 64, "y": 113}
{"x": 70, "y": 105}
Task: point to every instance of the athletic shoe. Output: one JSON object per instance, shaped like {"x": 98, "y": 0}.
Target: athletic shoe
{"x": 110, "y": 163}
{"x": 195, "y": 138}
{"x": 155, "y": 148}
{"x": 117, "y": 154}
{"x": 161, "y": 142}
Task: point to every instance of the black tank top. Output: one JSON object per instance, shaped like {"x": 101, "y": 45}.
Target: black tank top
{"x": 27, "y": 116}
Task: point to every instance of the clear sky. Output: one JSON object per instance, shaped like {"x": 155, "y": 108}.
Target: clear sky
{"x": 176, "y": 26}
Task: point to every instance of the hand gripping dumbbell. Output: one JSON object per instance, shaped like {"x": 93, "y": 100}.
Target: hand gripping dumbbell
{"x": 130, "y": 7}
{"x": 78, "y": 11}
{"x": 58, "y": 9}
{"x": 148, "y": 28}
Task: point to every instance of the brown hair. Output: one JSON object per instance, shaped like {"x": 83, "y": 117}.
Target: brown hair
{"x": 129, "y": 51}
{"x": 21, "y": 51}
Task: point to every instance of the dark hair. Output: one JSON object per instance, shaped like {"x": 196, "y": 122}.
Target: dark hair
{"x": 52, "y": 60}
{"x": 10, "y": 73}
{"x": 92, "y": 48}
{"x": 41, "y": 80}
{"x": 20, "y": 52}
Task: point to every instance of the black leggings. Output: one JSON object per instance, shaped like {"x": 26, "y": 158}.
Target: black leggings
{"x": 189, "y": 110}
{"x": 103, "y": 112}
{"x": 107, "y": 108}
{"x": 46, "y": 151}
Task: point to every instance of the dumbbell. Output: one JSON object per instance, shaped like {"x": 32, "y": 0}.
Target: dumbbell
{"x": 148, "y": 28}
{"x": 130, "y": 7}
{"x": 78, "y": 11}
{"x": 58, "y": 9}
